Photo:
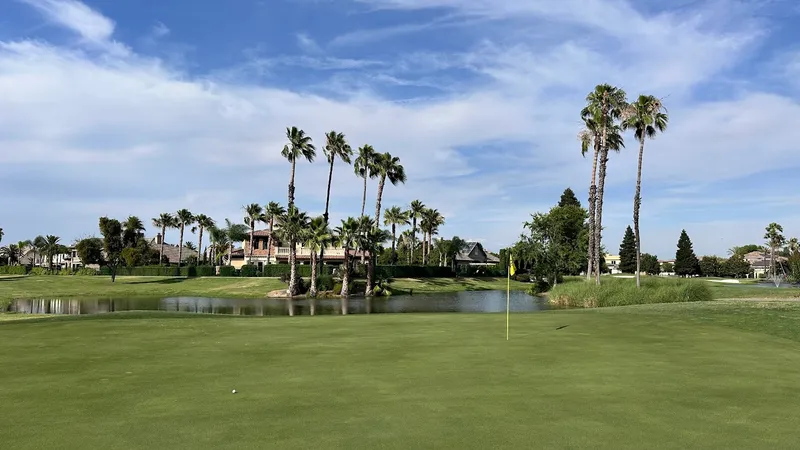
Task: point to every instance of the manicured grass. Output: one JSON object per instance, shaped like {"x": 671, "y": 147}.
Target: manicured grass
{"x": 721, "y": 290}
{"x": 623, "y": 291}
{"x": 428, "y": 285}
{"x": 672, "y": 376}
{"x": 99, "y": 286}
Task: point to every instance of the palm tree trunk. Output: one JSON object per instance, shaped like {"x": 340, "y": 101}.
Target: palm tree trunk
{"x": 200, "y": 247}
{"x": 161, "y": 253}
{"x": 269, "y": 241}
{"x": 293, "y": 268}
{"x": 430, "y": 245}
{"x": 592, "y": 210}
{"x": 381, "y": 184}
{"x": 345, "y": 281}
{"x": 312, "y": 291}
{"x": 364, "y": 197}
{"x": 368, "y": 292}
{"x": 230, "y": 254}
{"x": 598, "y": 228}
{"x": 325, "y": 215}
{"x": 637, "y": 201}
{"x": 413, "y": 239}
{"x": 180, "y": 249}
{"x": 424, "y": 247}
{"x": 252, "y": 231}
{"x": 394, "y": 241}
{"x": 291, "y": 185}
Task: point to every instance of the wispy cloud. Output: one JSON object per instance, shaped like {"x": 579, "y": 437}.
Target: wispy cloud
{"x": 77, "y": 17}
{"x": 307, "y": 44}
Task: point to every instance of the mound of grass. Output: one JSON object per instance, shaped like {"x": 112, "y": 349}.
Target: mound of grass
{"x": 622, "y": 292}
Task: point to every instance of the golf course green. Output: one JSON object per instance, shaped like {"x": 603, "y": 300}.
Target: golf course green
{"x": 719, "y": 374}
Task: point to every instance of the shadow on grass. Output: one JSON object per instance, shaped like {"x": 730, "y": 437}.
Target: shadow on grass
{"x": 165, "y": 281}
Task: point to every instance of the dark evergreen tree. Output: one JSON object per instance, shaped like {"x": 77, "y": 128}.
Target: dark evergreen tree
{"x": 568, "y": 198}
{"x": 113, "y": 245}
{"x": 686, "y": 263}
{"x": 627, "y": 252}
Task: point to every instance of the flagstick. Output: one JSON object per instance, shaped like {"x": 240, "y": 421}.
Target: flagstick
{"x": 508, "y": 300}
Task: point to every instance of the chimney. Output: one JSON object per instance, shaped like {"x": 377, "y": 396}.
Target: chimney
{"x": 158, "y": 239}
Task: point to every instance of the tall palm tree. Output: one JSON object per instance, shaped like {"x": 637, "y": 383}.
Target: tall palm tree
{"x": 316, "y": 237}
{"x": 346, "y": 236}
{"x": 414, "y": 213}
{"x": 183, "y": 217}
{"x": 22, "y": 245}
{"x": 605, "y": 106}
{"x": 394, "y": 217}
{"x": 52, "y": 247}
{"x": 271, "y": 212}
{"x": 164, "y": 221}
{"x": 219, "y": 243}
{"x": 387, "y": 167}
{"x": 775, "y": 239}
{"x": 794, "y": 245}
{"x": 646, "y": 117}
{"x": 335, "y": 146}
{"x": 254, "y": 214}
{"x": 364, "y": 166}
{"x": 371, "y": 240}
{"x": 133, "y": 230}
{"x": 39, "y": 244}
{"x": 432, "y": 219}
{"x": 11, "y": 253}
{"x": 292, "y": 227}
{"x": 299, "y": 146}
{"x": 203, "y": 223}
{"x": 406, "y": 241}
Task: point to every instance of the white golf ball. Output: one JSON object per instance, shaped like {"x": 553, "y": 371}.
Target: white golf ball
{"x": 233, "y": 391}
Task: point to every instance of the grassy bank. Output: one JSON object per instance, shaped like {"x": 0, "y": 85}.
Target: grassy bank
{"x": 613, "y": 378}
{"x": 621, "y": 292}
{"x": 102, "y": 287}
{"x": 721, "y": 290}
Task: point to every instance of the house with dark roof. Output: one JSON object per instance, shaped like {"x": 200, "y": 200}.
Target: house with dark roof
{"x": 172, "y": 251}
{"x": 474, "y": 254}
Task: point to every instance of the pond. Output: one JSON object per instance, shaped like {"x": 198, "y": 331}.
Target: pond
{"x": 466, "y": 302}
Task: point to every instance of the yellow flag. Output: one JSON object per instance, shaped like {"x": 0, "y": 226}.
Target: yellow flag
{"x": 513, "y": 269}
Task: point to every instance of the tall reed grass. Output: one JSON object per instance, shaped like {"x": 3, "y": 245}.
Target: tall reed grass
{"x": 621, "y": 292}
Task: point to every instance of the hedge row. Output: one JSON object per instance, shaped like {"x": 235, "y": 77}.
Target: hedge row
{"x": 161, "y": 271}
{"x": 13, "y": 270}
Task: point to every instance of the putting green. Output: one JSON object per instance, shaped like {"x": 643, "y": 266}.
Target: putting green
{"x": 718, "y": 375}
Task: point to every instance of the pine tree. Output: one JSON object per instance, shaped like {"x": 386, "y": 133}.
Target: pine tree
{"x": 686, "y": 262}
{"x": 568, "y": 199}
{"x": 627, "y": 252}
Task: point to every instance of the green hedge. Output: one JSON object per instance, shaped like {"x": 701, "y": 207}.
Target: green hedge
{"x": 161, "y": 271}
{"x": 249, "y": 270}
{"x": 228, "y": 271}
{"x": 13, "y": 270}
{"x": 303, "y": 270}
{"x": 384, "y": 272}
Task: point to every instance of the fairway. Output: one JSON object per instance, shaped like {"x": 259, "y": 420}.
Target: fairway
{"x": 718, "y": 375}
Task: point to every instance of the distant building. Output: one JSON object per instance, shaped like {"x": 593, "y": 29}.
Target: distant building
{"x": 761, "y": 262}
{"x": 279, "y": 254}
{"x": 172, "y": 251}
{"x": 612, "y": 262}
{"x": 474, "y": 255}
{"x": 664, "y": 262}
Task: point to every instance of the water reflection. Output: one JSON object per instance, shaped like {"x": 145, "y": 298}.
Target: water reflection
{"x": 469, "y": 302}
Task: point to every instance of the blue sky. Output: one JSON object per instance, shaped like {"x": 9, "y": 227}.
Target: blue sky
{"x": 141, "y": 107}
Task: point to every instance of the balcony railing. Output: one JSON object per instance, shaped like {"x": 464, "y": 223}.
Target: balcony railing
{"x": 302, "y": 251}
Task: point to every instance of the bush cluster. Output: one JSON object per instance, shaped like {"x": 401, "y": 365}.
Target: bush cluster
{"x": 13, "y": 270}
{"x": 622, "y": 292}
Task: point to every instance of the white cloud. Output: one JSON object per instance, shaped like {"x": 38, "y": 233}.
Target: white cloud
{"x": 151, "y": 138}
{"x": 159, "y": 30}
{"x": 307, "y": 44}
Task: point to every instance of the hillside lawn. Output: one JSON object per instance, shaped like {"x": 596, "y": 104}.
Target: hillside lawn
{"x": 675, "y": 376}
{"x": 13, "y": 287}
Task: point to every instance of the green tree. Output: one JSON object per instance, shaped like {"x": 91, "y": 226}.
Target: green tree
{"x": 39, "y": 245}
{"x": 430, "y": 223}
{"x": 132, "y": 256}
{"x": 203, "y": 223}
{"x": 346, "y": 235}
{"x": 650, "y": 264}
{"x": 293, "y": 225}
{"x": 11, "y": 253}
{"x": 335, "y": 146}
{"x": 317, "y": 236}
{"x": 686, "y": 263}
{"x": 90, "y": 250}
{"x": 272, "y": 211}
{"x": 364, "y": 166}
{"x": 646, "y": 117}
{"x": 113, "y": 245}
{"x": 51, "y": 249}
{"x": 372, "y": 244}
{"x": 386, "y": 167}
{"x": 395, "y": 216}
{"x": 710, "y": 266}
{"x": 735, "y": 266}
{"x": 568, "y": 198}
{"x": 775, "y": 239}
{"x": 627, "y": 252}
{"x": 254, "y": 215}
{"x": 299, "y": 146}
{"x": 133, "y": 230}
{"x": 234, "y": 232}
{"x": 164, "y": 221}
{"x": 452, "y": 248}
{"x": 668, "y": 267}
{"x": 183, "y": 218}
{"x": 415, "y": 212}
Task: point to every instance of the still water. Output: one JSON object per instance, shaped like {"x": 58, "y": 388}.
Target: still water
{"x": 467, "y": 302}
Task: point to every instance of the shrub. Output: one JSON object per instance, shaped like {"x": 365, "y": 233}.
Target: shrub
{"x": 303, "y": 270}
{"x": 385, "y": 272}
{"x": 227, "y": 271}
{"x": 85, "y": 272}
{"x": 13, "y": 270}
{"x": 205, "y": 271}
{"x": 249, "y": 270}
{"x": 523, "y": 277}
{"x": 539, "y": 287}
{"x": 324, "y": 283}
{"x": 38, "y": 271}
{"x": 621, "y": 292}
{"x": 65, "y": 272}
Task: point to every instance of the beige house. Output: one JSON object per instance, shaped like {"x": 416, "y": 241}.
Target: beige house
{"x": 612, "y": 261}
{"x": 761, "y": 262}
{"x": 279, "y": 254}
